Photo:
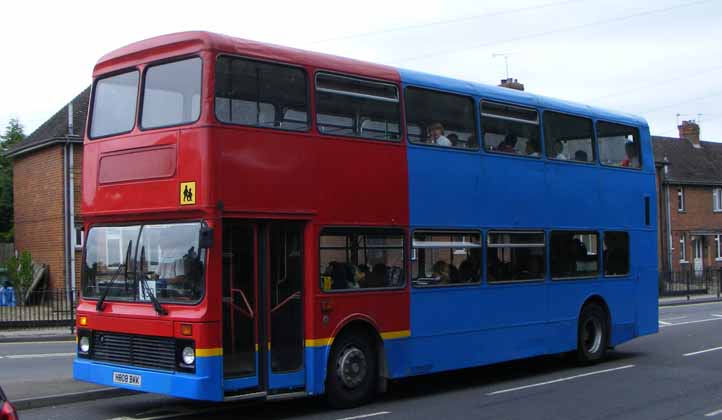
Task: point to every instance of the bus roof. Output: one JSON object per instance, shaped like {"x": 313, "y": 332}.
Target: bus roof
{"x": 165, "y": 46}
{"x": 195, "y": 41}
{"x": 501, "y": 94}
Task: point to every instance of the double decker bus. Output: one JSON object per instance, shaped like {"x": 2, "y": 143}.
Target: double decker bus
{"x": 265, "y": 222}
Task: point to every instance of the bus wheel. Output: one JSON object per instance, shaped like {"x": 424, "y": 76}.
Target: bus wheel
{"x": 592, "y": 336}
{"x": 352, "y": 371}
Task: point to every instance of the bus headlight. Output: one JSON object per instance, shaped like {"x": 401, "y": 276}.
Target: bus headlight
{"x": 189, "y": 356}
{"x": 84, "y": 344}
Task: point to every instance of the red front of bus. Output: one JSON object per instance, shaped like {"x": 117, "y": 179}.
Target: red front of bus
{"x": 201, "y": 276}
{"x": 144, "y": 318}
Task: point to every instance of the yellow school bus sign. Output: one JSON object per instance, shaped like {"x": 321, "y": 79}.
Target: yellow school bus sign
{"x": 187, "y": 193}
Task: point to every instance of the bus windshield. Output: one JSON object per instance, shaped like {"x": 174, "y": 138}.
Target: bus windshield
{"x": 166, "y": 256}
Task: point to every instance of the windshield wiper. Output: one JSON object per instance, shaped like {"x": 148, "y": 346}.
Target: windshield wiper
{"x": 146, "y": 289}
{"x": 124, "y": 267}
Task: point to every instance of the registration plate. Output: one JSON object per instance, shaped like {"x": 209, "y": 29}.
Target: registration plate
{"x": 126, "y": 379}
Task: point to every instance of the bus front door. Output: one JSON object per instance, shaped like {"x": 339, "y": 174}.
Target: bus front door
{"x": 262, "y": 308}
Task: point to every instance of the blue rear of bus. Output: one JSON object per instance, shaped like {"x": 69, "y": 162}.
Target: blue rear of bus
{"x": 465, "y": 190}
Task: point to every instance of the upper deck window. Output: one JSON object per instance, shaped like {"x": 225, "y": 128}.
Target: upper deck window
{"x": 568, "y": 137}
{"x": 348, "y": 106}
{"x": 114, "y": 102}
{"x": 510, "y": 129}
{"x": 618, "y": 145}
{"x": 172, "y": 94}
{"x": 255, "y": 93}
{"x": 440, "y": 119}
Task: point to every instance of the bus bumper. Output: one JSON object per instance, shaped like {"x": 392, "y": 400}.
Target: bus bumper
{"x": 205, "y": 384}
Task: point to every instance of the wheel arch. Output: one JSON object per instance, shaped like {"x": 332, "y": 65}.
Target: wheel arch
{"x": 599, "y": 300}
{"x": 361, "y": 324}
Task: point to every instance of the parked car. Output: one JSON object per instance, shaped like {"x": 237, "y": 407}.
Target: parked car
{"x": 7, "y": 411}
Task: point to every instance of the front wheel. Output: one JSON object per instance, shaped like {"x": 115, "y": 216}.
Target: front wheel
{"x": 352, "y": 372}
{"x": 593, "y": 334}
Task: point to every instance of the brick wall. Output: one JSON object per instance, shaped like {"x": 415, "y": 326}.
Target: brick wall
{"x": 697, "y": 216}
{"x": 38, "y": 196}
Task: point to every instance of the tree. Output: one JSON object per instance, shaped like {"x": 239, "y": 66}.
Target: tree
{"x": 13, "y": 135}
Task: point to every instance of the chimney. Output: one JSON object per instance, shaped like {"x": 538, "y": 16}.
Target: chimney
{"x": 511, "y": 84}
{"x": 690, "y": 130}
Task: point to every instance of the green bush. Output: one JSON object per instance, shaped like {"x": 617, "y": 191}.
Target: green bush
{"x": 20, "y": 271}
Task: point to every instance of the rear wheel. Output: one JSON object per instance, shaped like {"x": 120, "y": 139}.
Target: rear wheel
{"x": 593, "y": 334}
{"x": 352, "y": 371}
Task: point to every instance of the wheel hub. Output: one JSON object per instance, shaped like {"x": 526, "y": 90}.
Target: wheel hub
{"x": 351, "y": 367}
{"x": 592, "y": 337}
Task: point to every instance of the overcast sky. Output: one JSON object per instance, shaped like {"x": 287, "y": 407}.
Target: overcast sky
{"x": 654, "y": 58}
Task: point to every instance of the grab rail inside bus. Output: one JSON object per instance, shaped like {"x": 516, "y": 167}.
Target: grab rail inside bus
{"x": 295, "y": 296}
{"x": 247, "y": 311}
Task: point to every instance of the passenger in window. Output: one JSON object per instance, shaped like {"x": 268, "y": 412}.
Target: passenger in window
{"x": 341, "y": 275}
{"x": 440, "y": 270}
{"x": 436, "y": 134}
{"x": 581, "y": 156}
{"x": 469, "y": 268}
{"x": 531, "y": 149}
{"x": 454, "y": 139}
{"x": 471, "y": 142}
{"x": 559, "y": 151}
{"x": 632, "y": 160}
{"x": 360, "y": 275}
{"x": 377, "y": 277}
{"x": 508, "y": 145}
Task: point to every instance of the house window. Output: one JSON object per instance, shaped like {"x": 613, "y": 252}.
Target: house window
{"x": 680, "y": 199}
{"x": 78, "y": 238}
{"x": 717, "y": 199}
{"x": 682, "y": 248}
{"x": 718, "y": 247}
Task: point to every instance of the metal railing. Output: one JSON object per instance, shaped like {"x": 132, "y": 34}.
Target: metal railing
{"x": 690, "y": 283}
{"x": 38, "y": 309}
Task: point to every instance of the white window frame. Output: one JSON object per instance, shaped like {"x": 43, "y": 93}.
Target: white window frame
{"x": 718, "y": 247}
{"x": 79, "y": 244}
{"x": 683, "y": 248}
{"x": 681, "y": 205}
{"x": 717, "y": 199}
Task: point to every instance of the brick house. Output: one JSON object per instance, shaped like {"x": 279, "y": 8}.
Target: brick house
{"x": 689, "y": 179}
{"x": 46, "y": 189}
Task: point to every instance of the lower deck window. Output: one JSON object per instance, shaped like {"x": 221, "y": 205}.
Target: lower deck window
{"x": 616, "y": 253}
{"x": 361, "y": 259}
{"x": 446, "y": 258}
{"x": 574, "y": 254}
{"x": 515, "y": 256}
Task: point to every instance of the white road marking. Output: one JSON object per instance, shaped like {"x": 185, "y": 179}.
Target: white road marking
{"x": 37, "y": 356}
{"x": 694, "y": 353}
{"x": 675, "y": 317}
{"x": 713, "y": 413}
{"x": 691, "y": 322}
{"x": 363, "y": 416}
{"x": 568, "y": 378}
{"x": 665, "y": 323}
{"x": 717, "y": 315}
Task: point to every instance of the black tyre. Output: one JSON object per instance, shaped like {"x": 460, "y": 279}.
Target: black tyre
{"x": 593, "y": 334}
{"x": 352, "y": 373}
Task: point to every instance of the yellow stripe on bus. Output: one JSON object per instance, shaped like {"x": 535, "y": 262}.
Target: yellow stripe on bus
{"x": 395, "y": 334}
{"x": 390, "y": 335}
{"x": 218, "y": 351}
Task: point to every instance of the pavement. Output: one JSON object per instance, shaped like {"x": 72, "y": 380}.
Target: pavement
{"x": 683, "y": 300}
{"x": 39, "y": 334}
{"x": 676, "y": 373}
